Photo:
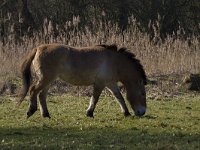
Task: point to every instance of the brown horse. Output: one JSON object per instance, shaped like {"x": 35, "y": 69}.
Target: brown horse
{"x": 101, "y": 66}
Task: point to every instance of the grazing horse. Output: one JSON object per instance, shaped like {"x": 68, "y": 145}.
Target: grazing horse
{"x": 101, "y": 66}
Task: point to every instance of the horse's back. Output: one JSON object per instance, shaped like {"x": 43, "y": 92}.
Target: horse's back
{"x": 88, "y": 65}
{"x": 80, "y": 66}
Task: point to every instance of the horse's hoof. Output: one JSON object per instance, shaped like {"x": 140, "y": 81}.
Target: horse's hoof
{"x": 90, "y": 114}
{"x": 46, "y": 115}
{"x": 126, "y": 114}
{"x": 31, "y": 112}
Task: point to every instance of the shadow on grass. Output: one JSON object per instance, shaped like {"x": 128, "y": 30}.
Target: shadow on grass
{"x": 93, "y": 138}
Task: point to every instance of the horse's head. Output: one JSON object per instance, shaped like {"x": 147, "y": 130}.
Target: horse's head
{"x": 133, "y": 76}
{"x": 136, "y": 95}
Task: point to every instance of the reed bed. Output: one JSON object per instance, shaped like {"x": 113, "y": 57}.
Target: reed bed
{"x": 171, "y": 56}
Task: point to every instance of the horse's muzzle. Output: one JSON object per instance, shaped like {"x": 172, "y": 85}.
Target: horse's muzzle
{"x": 140, "y": 112}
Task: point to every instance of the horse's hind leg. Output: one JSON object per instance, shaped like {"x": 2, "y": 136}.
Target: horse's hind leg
{"x": 35, "y": 89}
{"x": 97, "y": 89}
{"x": 116, "y": 92}
{"x": 43, "y": 105}
{"x": 33, "y": 101}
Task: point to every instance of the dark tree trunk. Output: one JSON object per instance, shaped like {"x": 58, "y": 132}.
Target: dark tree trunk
{"x": 28, "y": 22}
{"x": 123, "y": 14}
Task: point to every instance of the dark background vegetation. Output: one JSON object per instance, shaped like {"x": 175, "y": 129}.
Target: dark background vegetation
{"x": 166, "y": 16}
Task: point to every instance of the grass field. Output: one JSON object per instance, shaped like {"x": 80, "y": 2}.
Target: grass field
{"x": 168, "y": 124}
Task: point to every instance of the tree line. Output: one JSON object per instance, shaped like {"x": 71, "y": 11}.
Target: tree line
{"x": 167, "y": 17}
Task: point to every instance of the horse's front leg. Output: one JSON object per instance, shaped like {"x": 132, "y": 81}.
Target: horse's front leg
{"x": 116, "y": 92}
{"x": 97, "y": 89}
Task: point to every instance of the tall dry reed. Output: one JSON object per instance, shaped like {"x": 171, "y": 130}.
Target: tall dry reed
{"x": 172, "y": 56}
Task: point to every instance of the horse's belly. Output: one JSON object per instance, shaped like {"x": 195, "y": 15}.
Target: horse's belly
{"x": 86, "y": 74}
{"x": 77, "y": 75}
{"x": 77, "y": 79}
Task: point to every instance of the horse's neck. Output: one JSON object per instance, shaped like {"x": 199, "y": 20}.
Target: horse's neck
{"x": 127, "y": 71}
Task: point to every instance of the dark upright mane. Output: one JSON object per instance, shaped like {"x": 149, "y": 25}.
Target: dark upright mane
{"x": 136, "y": 61}
{"x": 110, "y": 47}
{"x": 130, "y": 56}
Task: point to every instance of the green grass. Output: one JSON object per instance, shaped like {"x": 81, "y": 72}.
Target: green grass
{"x": 172, "y": 124}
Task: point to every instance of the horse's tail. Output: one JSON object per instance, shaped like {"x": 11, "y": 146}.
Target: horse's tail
{"x": 26, "y": 75}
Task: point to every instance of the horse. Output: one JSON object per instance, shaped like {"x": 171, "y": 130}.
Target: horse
{"x": 102, "y": 66}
